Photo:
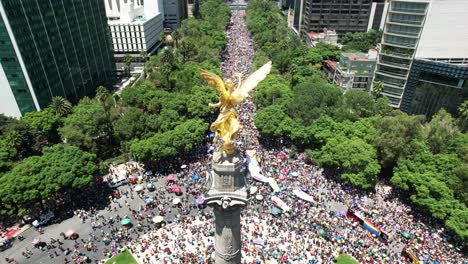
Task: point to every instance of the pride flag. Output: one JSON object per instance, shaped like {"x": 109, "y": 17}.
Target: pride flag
{"x": 367, "y": 224}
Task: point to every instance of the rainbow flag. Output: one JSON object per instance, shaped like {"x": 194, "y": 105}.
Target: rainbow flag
{"x": 367, "y": 224}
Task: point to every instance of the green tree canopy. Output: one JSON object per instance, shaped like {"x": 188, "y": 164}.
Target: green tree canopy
{"x": 273, "y": 90}
{"x": 38, "y": 178}
{"x": 319, "y": 97}
{"x": 354, "y": 158}
{"x": 398, "y": 137}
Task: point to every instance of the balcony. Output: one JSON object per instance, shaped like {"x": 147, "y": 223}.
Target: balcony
{"x": 395, "y": 65}
{"x": 397, "y": 83}
{"x": 391, "y": 74}
{"x": 399, "y": 44}
{"x": 405, "y": 22}
{"x": 405, "y": 34}
{"x": 408, "y": 11}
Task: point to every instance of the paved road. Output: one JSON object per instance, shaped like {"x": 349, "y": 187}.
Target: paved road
{"x": 85, "y": 229}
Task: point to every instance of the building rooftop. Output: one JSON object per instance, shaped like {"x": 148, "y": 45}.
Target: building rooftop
{"x": 331, "y": 64}
{"x": 359, "y": 56}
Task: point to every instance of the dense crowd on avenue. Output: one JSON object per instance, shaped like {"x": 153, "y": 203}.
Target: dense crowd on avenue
{"x": 310, "y": 232}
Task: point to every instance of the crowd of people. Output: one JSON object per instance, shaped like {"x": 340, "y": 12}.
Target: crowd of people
{"x": 310, "y": 232}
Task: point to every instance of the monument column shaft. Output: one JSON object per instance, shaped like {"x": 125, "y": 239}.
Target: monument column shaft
{"x": 227, "y": 236}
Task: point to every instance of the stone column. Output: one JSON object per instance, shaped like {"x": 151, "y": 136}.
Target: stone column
{"x": 227, "y": 236}
{"x": 227, "y": 194}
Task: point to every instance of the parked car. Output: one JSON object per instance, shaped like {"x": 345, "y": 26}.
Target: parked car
{"x": 5, "y": 244}
{"x": 43, "y": 219}
{"x": 117, "y": 183}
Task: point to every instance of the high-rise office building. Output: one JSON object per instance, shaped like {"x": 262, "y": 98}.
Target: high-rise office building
{"x": 52, "y": 48}
{"x": 135, "y": 25}
{"x": 423, "y": 57}
{"x": 174, "y": 12}
{"x": 340, "y": 15}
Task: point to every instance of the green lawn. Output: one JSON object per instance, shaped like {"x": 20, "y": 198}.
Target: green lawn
{"x": 345, "y": 259}
{"x": 122, "y": 258}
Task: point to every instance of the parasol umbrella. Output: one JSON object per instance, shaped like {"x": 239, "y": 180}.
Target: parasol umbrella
{"x": 304, "y": 189}
{"x": 148, "y": 172}
{"x": 35, "y": 223}
{"x": 258, "y": 241}
{"x": 167, "y": 250}
{"x": 177, "y": 189}
{"x": 138, "y": 188}
{"x": 150, "y": 186}
{"x": 183, "y": 166}
{"x": 406, "y": 234}
{"x": 196, "y": 177}
{"x": 170, "y": 178}
{"x": 281, "y": 177}
{"x": 295, "y": 174}
{"x": 200, "y": 200}
{"x": 36, "y": 241}
{"x": 275, "y": 211}
{"x": 158, "y": 219}
{"x": 259, "y": 197}
{"x": 212, "y": 134}
{"x": 69, "y": 233}
{"x": 253, "y": 189}
{"x": 176, "y": 201}
{"x": 148, "y": 200}
{"x": 125, "y": 221}
{"x": 322, "y": 232}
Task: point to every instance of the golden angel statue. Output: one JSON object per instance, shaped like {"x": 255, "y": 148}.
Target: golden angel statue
{"x": 226, "y": 125}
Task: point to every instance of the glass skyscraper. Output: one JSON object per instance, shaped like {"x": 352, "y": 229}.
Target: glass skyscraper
{"x": 52, "y": 48}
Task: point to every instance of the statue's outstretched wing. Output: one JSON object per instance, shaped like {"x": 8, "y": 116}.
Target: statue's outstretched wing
{"x": 250, "y": 83}
{"x": 213, "y": 81}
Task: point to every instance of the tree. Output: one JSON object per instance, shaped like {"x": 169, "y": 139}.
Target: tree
{"x": 139, "y": 95}
{"x": 359, "y": 103}
{"x": 273, "y": 90}
{"x": 131, "y": 125}
{"x": 378, "y": 89}
{"x": 354, "y": 158}
{"x": 60, "y": 106}
{"x": 36, "y": 179}
{"x": 179, "y": 141}
{"x": 463, "y": 113}
{"x": 272, "y": 121}
{"x": 127, "y": 59}
{"x": 442, "y": 132}
{"x": 46, "y": 123}
{"x": 319, "y": 97}
{"x": 361, "y": 41}
{"x": 87, "y": 127}
{"x": 398, "y": 137}
{"x": 143, "y": 55}
{"x": 435, "y": 185}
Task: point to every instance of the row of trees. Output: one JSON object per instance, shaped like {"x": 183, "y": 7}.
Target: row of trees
{"x": 63, "y": 147}
{"x": 357, "y": 134}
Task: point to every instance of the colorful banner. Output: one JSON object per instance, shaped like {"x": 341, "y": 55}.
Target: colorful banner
{"x": 304, "y": 196}
{"x": 367, "y": 224}
{"x": 280, "y": 203}
{"x": 274, "y": 185}
{"x": 254, "y": 167}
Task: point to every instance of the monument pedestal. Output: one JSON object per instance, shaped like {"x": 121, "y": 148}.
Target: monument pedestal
{"x": 227, "y": 194}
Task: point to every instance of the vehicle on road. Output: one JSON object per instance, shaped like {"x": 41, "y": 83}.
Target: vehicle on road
{"x": 43, "y": 219}
{"x": 5, "y": 244}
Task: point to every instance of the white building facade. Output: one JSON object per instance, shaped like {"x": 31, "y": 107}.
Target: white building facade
{"x": 135, "y": 25}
